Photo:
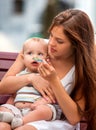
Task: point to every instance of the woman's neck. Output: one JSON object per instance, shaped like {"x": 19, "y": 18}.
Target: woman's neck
{"x": 62, "y": 66}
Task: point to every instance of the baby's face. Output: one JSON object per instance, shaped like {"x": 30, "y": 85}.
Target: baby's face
{"x": 34, "y": 54}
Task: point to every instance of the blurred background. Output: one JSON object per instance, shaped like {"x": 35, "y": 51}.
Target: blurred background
{"x": 22, "y": 19}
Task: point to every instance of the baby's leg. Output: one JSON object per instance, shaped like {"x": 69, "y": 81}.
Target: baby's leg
{"x": 41, "y": 112}
{"x": 5, "y": 115}
{"x": 5, "y": 109}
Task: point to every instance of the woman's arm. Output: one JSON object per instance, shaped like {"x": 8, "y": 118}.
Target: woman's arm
{"x": 10, "y": 80}
{"x": 17, "y": 66}
{"x": 67, "y": 104}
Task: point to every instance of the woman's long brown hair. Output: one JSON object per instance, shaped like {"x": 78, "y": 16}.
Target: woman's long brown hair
{"x": 78, "y": 28}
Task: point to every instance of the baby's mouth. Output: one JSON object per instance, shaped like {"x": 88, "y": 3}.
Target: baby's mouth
{"x": 35, "y": 63}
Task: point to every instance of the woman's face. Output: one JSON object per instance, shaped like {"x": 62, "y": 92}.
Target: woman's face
{"x": 59, "y": 45}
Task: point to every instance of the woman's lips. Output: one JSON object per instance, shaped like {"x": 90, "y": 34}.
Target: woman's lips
{"x": 52, "y": 50}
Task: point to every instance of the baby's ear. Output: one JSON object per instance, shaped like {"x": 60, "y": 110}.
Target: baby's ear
{"x": 22, "y": 55}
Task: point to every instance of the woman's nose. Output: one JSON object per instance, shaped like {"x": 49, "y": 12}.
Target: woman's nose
{"x": 52, "y": 42}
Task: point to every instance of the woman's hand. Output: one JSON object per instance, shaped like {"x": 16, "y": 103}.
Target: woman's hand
{"x": 43, "y": 86}
{"x": 47, "y": 71}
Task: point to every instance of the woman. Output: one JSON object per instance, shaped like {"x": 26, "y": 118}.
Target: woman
{"x": 71, "y": 45}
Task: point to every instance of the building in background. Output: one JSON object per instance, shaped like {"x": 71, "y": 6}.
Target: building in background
{"x": 21, "y": 19}
{"x": 18, "y": 20}
{"x": 89, "y": 7}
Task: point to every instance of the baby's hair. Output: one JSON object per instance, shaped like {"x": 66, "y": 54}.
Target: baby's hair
{"x": 35, "y": 39}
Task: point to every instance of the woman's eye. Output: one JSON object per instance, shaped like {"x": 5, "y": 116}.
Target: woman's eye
{"x": 60, "y": 41}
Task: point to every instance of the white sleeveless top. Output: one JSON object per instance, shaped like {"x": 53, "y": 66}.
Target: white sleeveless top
{"x": 68, "y": 83}
{"x": 68, "y": 80}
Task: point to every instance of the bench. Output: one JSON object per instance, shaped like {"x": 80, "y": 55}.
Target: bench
{"x": 6, "y": 60}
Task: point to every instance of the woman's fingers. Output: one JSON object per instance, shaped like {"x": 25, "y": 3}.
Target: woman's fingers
{"x": 44, "y": 70}
{"x": 47, "y": 71}
{"x": 47, "y": 93}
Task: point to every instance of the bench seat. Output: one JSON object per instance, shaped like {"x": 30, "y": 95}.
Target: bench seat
{"x": 6, "y": 60}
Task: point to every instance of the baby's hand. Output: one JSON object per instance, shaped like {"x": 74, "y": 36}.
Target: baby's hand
{"x": 39, "y": 102}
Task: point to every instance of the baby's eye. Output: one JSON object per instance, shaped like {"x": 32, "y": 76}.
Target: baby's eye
{"x": 29, "y": 53}
{"x": 40, "y": 54}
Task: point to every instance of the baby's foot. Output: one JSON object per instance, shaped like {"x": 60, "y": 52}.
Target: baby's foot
{"x": 6, "y": 117}
{"x": 16, "y": 122}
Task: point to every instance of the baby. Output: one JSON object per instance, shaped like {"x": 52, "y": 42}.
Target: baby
{"x": 27, "y": 104}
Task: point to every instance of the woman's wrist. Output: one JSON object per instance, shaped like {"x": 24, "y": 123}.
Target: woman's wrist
{"x": 30, "y": 78}
{"x": 55, "y": 81}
